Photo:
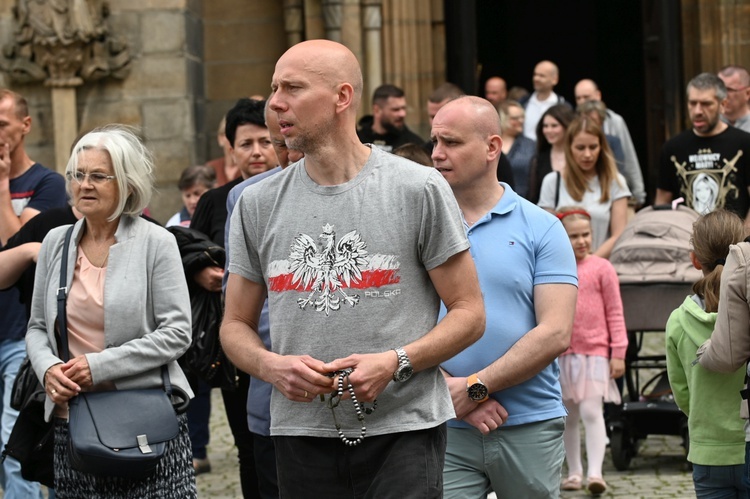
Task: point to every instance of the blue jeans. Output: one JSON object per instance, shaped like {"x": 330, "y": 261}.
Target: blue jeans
{"x": 406, "y": 465}
{"x": 719, "y": 482}
{"x": 12, "y": 353}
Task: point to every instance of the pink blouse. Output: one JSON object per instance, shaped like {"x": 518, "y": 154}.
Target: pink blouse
{"x": 85, "y": 313}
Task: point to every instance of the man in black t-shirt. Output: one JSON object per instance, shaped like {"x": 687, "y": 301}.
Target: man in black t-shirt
{"x": 386, "y": 127}
{"x": 707, "y": 165}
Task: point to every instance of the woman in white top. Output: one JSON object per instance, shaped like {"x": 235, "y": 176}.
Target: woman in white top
{"x": 590, "y": 179}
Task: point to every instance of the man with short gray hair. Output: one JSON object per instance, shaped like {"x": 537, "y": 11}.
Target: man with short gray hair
{"x": 707, "y": 165}
{"x": 736, "y": 110}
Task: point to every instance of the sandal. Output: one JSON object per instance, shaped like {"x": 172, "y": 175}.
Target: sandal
{"x": 573, "y": 482}
{"x": 596, "y": 485}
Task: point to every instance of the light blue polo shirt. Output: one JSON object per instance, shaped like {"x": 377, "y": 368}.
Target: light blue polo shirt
{"x": 515, "y": 247}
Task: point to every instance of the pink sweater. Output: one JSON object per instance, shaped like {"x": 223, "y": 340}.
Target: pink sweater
{"x": 599, "y": 324}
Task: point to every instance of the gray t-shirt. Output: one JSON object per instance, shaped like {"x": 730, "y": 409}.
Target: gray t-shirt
{"x": 346, "y": 271}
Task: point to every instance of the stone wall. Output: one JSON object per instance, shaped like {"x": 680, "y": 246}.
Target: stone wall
{"x": 243, "y": 40}
{"x": 163, "y": 94}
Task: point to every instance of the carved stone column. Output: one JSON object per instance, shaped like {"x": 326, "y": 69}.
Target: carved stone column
{"x": 372, "y": 25}
{"x": 293, "y": 21}
{"x": 332, "y": 17}
{"x": 409, "y": 53}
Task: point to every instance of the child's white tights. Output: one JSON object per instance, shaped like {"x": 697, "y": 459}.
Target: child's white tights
{"x": 591, "y": 412}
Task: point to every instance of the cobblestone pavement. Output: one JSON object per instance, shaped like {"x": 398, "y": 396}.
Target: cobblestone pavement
{"x": 659, "y": 470}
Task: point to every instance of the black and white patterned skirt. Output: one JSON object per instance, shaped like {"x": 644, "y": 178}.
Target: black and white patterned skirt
{"x": 174, "y": 477}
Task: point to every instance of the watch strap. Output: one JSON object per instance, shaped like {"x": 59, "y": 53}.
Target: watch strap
{"x": 474, "y": 380}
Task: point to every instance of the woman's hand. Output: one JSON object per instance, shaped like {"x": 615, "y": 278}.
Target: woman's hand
{"x": 58, "y": 386}
{"x": 77, "y": 370}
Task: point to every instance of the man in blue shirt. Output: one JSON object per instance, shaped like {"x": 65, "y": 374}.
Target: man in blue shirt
{"x": 510, "y": 417}
{"x": 26, "y": 189}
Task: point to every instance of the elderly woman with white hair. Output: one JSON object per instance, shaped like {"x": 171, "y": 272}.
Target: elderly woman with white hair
{"x": 128, "y": 308}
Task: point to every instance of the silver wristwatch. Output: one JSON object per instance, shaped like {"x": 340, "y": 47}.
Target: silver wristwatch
{"x": 404, "y": 370}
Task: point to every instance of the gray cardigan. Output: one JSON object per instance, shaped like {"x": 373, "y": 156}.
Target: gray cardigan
{"x": 147, "y": 317}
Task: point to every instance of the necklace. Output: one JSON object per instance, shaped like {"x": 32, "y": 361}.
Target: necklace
{"x": 96, "y": 253}
{"x": 360, "y": 409}
{"x": 470, "y": 223}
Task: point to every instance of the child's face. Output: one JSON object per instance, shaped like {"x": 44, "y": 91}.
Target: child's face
{"x": 191, "y": 195}
{"x": 579, "y": 232}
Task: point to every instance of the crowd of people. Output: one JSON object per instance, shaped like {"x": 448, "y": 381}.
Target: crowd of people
{"x": 399, "y": 329}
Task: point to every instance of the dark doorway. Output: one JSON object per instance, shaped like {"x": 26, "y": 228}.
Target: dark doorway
{"x": 585, "y": 38}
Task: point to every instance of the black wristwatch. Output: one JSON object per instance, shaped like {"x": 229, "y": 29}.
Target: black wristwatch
{"x": 476, "y": 390}
{"x": 404, "y": 370}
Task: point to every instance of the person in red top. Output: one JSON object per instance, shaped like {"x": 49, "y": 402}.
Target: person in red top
{"x": 595, "y": 356}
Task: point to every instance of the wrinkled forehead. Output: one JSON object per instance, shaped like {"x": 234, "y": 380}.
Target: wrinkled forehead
{"x": 702, "y": 94}
{"x": 304, "y": 65}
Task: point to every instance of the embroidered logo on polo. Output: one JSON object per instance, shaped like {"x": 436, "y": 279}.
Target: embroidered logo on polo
{"x": 327, "y": 273}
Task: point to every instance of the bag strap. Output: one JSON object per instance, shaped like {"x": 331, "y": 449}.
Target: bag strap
{"x": 557, "y": 189}
{"x": 62, "y": 296}
{"x": 62, "y": 320}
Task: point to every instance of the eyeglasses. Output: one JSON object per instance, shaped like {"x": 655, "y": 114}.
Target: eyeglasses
{"x": 516, "y": 118}
{"x": 97, "y": 178}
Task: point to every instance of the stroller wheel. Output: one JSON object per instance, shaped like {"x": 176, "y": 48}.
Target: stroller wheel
{"x": 622, "y": 449}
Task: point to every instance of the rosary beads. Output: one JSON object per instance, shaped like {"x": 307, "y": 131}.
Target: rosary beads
{"x": 361, "y": 409}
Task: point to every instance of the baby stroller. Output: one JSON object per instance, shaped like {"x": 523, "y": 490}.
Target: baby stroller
{"x": 653, "y": 264}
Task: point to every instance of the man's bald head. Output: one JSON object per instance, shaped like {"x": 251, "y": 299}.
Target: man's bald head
{"x": 484, "y": 118}
{"x": 587, "y": 90}
{"x": 329, "y": 60}
{"x": 495, "y": 90}
{"x": 546, "y": 76}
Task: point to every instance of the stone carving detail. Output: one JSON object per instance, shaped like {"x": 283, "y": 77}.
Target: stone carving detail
{"x": 64, "y": 43}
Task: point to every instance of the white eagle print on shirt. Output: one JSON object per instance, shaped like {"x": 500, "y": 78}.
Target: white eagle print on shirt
{"x": 328, "y": 269}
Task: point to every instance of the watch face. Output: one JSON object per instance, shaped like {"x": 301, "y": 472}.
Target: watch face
{"x": 477, "y": 391}
{"x": 403, "y": 373}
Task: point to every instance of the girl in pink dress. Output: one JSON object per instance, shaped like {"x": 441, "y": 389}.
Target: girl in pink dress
{"x": 595, "y": 357}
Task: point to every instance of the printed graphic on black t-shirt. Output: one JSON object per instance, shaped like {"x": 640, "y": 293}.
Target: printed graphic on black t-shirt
{"x": 710, "y": 173}
{"x": 707, "y": 180}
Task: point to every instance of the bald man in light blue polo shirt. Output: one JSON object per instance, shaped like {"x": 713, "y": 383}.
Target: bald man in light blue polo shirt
{"x": 510, "y": 416}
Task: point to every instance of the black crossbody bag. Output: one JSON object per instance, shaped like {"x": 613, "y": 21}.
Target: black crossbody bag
{"x": 121, "y": 433}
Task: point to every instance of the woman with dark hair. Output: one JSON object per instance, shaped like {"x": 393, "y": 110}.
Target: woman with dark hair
{"x": 550, "y": 146}
{"x": 589, "y": 179}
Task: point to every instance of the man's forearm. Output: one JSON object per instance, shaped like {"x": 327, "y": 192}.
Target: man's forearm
{"x": 244, "y": 348}
{"x": 9, "y": 222}
{"x": 14, "y": 261}
{"x": 460, "y": 327}
{"x": 528, "y": 357}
